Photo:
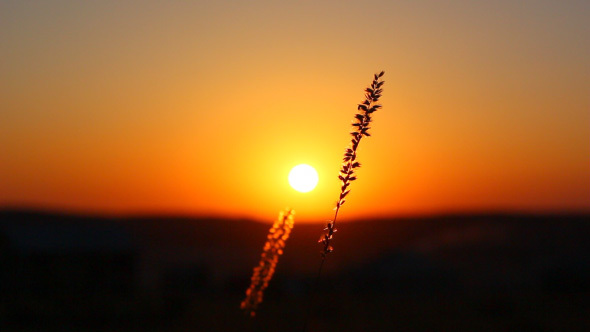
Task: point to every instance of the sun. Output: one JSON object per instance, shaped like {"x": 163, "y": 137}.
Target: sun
{"x": 303, "y": 178}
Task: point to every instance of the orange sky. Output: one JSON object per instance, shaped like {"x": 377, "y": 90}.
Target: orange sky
{"x": 203, "y": 107}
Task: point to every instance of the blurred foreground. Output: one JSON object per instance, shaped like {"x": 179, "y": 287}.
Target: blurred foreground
{"x": 453, "y": 273}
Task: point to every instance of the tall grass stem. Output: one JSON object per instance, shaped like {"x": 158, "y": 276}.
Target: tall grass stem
{"x": 273, "y": 248}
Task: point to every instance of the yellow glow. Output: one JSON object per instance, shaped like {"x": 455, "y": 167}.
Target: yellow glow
{"x": 203, "y": 110}
{"x": 303, "y": 178}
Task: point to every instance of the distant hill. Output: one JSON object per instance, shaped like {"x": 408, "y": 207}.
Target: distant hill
{"x": 466, "y": 271}
{"x": 452, "y": 238}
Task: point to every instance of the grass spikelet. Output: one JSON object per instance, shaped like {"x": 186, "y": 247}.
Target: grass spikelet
{"x": 273, "y": 248}
{"x": 361, "y": 126}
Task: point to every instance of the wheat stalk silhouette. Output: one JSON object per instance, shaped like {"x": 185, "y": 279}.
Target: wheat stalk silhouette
{"x": 273, "y": 248}
{"x": 346, "y": 175}
{"x": 361, "y": 123}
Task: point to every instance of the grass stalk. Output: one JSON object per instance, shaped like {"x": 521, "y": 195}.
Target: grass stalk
{"x": 273, "y": 248}
{"x": 361, "y": 126}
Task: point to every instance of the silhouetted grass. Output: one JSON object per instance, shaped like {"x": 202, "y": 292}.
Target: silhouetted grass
{"x": 281, "y": 229}
{"x": 349, "y": 162}
{"x": 361, "y": 125}
{"x": 273, "y": 248}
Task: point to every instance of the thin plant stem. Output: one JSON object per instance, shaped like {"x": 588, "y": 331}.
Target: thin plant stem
{"x": 349, "y": 162}
{"x": 273, "y": 248}
{"x": 347, "y": 172}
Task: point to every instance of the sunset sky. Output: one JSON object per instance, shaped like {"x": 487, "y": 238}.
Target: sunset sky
{"x": 203, "y": 107}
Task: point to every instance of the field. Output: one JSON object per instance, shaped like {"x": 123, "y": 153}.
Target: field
{"x": 446, "y": 273}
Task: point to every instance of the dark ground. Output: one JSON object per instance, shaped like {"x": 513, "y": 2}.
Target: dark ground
{"x": 454, "y": 273}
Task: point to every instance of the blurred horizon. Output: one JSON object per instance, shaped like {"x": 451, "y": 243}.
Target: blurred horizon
{"x": 72, "y": 213}
{"x": 454, "y": 273}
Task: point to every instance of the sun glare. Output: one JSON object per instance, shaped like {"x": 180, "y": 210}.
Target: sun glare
{"x": 303, "y": 178}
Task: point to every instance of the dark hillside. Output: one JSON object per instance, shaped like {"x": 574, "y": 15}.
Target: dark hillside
{"x": 451, "y": 273}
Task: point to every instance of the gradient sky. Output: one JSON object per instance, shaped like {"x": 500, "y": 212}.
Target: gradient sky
{"x": 202, "y": 107}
